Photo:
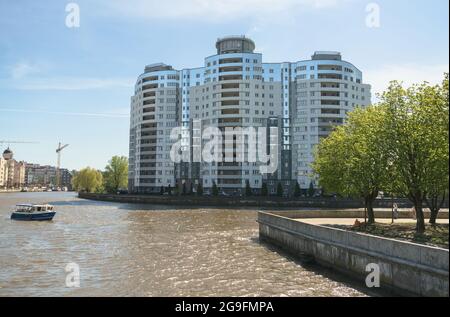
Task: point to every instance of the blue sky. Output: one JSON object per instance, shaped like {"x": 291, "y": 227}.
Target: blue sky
{"x": 74, "y": 84}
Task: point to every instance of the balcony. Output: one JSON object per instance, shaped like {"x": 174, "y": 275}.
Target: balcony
{"x": 330, "y": 76}
{"x": 230, "y": 122}
{"x": 330, "y": 67}
{"x": 230, "y": 111}
{"x": 148, "y": 125}
{"x": 147, "y": 79}
{"x": 230, "y": 102}
{"x": 229, "y": 69}
{"x": 326, "y": 102}
{"x": 147, "y": 110}
{"x": 230, "y": 86}
{"x": 230, "y": 94}
{"x": 150, "y": 86}
{"x": 230, "y": 77}
{"x": 149, "y": 102}
{"x": 330, "y": 94}
{"x": 330, "y": 111}
{"x": 329, "y": 85}
{"x": 147, "y": 118}
{"x": 230, "y": 61}
{"x": 149, "y": 94}
{"x": 230, "y": 181}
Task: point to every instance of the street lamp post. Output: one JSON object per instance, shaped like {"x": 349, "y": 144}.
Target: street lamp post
{"x": 392, "y": 199}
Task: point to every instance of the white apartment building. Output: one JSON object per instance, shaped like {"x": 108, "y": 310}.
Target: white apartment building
{"x": 305, "y": 100}
{"x": 12, "y": 173}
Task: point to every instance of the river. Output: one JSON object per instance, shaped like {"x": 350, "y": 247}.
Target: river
{"x": 143, "y": 250}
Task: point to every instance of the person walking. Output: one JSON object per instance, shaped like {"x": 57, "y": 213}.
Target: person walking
{"x": 395, "y": 207}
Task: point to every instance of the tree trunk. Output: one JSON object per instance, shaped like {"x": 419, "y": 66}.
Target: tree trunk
{"x": 369, "y": 206}
{"x": 433, "y": 216}
{"x": 435, "y": 205}
{"x": 418, "y": 204}
{"x": 432, "y": 205}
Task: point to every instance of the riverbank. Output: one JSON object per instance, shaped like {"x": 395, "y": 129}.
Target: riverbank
{"x": 405, "y": 268}
{"x": 327, "y": 206}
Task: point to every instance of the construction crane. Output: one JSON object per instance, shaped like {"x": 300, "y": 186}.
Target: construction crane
{"x": 58, "y": 172}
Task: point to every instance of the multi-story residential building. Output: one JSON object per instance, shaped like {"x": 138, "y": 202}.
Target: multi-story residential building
{"x": 12, "y": 173}
{"x": 18, "y": 176}
{"x": 305, "y": 100}
{"x": 45, "y": 175}
{"x": 3, "y": 172}
{"x": 154, "y": 110}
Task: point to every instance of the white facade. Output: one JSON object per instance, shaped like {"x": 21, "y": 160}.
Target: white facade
{"x": 234, "y": 88}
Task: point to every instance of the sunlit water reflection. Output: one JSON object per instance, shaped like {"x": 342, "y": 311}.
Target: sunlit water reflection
{"x": 141, "y": 250}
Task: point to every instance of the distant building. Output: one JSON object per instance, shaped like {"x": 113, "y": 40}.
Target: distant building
{"x": 3, "y": 172}
{"x": 12, "y": 173}
{"x": 18, "y": 175}
{"x": 45, "y": 175}
{"x": 66, "y": 178}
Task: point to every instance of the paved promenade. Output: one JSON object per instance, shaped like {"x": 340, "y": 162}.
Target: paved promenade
{"x": 351, "y": 221}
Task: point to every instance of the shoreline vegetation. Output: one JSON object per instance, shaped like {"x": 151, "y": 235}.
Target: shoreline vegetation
{"x": 398, "y": 146}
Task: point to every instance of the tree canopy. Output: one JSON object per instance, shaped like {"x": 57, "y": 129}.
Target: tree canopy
{"x": 352, "y": 161}
{"x": 88, "y": 180}
{"x": 116, "y": 174}
{"x": 400, "y": 146}
{"x": 417, "y": 131}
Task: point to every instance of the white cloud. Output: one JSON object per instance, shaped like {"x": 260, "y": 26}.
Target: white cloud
{"x": 407, "y": 73}
{"x": 66, "y": 113}
{"x": 73, "y": 83}
{"x": 24, "y": 69}
{"x": 213, "y": 10}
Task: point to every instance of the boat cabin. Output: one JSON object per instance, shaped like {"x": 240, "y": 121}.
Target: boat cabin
{"x": 33, "y": 208}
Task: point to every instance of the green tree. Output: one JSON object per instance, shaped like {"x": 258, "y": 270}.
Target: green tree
{"x": 417, "y": 131}
{"x": 116, "y": 174}
{"x": 199, "y": 189}
{"x": 87, "y": 180}
{"x": 280, "y": 190}
{"x": 439, "y": 181}
{"x": 264, "y": 190}
{"x": 352, "y": 161}
{"x": 311, "y": 189}
{"x": 297, "y": 190}
{"x": 215, "y": 190}
{"x": 248, "y": 189}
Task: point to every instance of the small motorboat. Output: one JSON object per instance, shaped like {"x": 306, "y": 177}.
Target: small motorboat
{"x": 31, "y": 212}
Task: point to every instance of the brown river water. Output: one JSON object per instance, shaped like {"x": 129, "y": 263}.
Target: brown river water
{"x": 142, "y": 250}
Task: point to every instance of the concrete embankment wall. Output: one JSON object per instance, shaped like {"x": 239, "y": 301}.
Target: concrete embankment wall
{"x": 262, "y": 202}
{"x": 406, "y": 268}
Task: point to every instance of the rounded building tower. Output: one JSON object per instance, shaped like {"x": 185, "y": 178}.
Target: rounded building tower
{"x": 231, "y": 97}
{"x": 153, "y": 115}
